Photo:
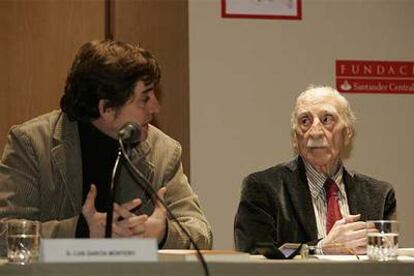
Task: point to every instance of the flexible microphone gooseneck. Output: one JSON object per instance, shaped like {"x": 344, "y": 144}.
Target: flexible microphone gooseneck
{"x": 148, "y": 188}
{"x": 110, "y": 208}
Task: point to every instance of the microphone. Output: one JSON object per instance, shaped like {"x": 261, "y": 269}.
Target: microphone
{"x": 130, "y": 133}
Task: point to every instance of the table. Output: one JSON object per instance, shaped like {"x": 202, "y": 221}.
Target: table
{"x": 267, "y": 267}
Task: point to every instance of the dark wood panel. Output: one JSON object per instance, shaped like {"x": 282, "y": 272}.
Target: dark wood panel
{"x": 161, "y": 26}
{"x": 38, "y": 42}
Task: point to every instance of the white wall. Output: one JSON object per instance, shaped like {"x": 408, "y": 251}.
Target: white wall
{"x": 246, "y": 73}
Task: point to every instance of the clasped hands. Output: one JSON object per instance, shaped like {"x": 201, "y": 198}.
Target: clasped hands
{"x": 125, "y": 223}
{"x": 347, "y": 236}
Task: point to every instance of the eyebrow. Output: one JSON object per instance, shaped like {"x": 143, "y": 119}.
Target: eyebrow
{"x": 323, "y": 111}
{"x": 302, "y": 113}
{"x": 147, "y": 90}
{"x": 330, "y": 112}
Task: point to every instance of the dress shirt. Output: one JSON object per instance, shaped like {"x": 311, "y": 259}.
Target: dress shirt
{"x": 316, "y": 183}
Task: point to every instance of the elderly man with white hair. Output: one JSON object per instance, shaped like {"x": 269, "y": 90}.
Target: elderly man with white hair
{"x": 315, "y": 198}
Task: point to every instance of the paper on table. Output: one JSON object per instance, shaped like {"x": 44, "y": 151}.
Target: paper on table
{"x": 405, "y": 252}
{"x": 342, "y": 258}
{"x": 406, "y": 258}
{"x": 403, "y": 255}
{"x": 209, "y": 255}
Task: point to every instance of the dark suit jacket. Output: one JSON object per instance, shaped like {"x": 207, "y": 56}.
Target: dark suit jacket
{"x": 276, "y": 205}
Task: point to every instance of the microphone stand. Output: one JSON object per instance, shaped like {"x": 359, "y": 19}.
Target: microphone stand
{"x": 150, "y": 190}
{"x": 131, "y": 132}
{"x": 114, "y": 180}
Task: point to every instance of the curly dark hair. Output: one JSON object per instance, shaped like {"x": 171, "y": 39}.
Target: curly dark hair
{"x": 106, "y": 70}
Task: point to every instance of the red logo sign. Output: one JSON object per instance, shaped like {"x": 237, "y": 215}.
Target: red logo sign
{"x": 358, "y": 76}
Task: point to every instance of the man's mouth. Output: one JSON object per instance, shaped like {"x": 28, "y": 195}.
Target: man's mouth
{"x": 316, "y": 144}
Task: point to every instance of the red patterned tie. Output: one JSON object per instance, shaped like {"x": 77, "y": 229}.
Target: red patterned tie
{"x": 332, "y": 213}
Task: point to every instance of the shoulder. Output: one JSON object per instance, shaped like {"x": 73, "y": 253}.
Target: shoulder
{"x": 33, "y": 137}
{"x": 161, "y": 143}
{"x": 380, "y": 194}
{"x": 156, "y": 135}
{"x": 45, "y": 132}
{"x": 371, "y": 184}
{"x": 165, "y": 152}
{"x": 273, "y": 177}
{"x": 42, "y": 124}
{"x": 39, "y": 130}
{"x": 278, "y": 171}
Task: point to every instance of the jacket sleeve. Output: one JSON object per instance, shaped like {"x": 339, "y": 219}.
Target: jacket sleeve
{"x": 184, "y": 204}
{"x": 254, "y": 222}
{"x": 20, "y": 186}
{"x": 390, "y": 208}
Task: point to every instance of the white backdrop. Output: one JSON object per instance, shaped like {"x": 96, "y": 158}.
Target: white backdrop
{"x": 246, "y": 73}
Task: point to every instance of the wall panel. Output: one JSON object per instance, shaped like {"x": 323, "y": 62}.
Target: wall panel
{"x": 161, "y": 26}
{"x": 39, "y": 40}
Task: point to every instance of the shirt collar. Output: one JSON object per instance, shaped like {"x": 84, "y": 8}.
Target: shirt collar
{"x": 316, "y": 180}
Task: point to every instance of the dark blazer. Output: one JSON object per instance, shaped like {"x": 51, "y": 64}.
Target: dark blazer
{"x": 276, "y": 205}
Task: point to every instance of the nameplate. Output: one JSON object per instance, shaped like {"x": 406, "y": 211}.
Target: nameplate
{"x": 98, "y": 250}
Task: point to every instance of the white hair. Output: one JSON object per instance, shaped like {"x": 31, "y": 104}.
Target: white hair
{"x": 313, "y": 94}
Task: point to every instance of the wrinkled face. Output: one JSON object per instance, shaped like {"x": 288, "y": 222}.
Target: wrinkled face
{"x": 139, "y": 109}
{"x": 320, "y": 135}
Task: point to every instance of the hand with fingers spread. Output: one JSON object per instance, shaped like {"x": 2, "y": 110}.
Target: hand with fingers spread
{"x": 156, "y": 225}
{"x": 347, "y": 236}
{"x": 142, "y": 226}
{"x": 126, "y": 223}
{"x": 97, "y": 220}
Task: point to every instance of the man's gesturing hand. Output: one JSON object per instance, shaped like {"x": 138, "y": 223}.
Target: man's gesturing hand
{"x": 97, "y": 220}
{"x": 142, "y": 226}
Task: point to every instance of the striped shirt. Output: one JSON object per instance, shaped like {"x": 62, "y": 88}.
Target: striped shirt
{"x": 316, "y": 183}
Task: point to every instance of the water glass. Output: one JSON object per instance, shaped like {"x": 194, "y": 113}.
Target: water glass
{"x": 382, "y": 244}
{"x": 23, "y": 239}
{"x": 3, "y": 240}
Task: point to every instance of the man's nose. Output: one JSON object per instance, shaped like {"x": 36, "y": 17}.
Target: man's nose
{"x": 316, "y": 129}
{"x": 154, "y": 105}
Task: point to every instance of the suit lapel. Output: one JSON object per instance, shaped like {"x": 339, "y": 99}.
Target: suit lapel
{"x": 354, "y": 195}
{"x": 66, "y": 157}
{"x": 301, "y": 198}
{"x": 140, "y": 160}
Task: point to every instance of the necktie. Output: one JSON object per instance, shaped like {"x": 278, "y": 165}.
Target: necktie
{"x": 332, "y": 213}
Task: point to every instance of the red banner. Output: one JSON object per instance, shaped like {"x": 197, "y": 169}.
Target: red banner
{"x": 395, "y": 77}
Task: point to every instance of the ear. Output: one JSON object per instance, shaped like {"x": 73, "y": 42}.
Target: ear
{"x": 295, "y": 142}
{"x": 106, "y": 113}
{"x": 348, "y": 133}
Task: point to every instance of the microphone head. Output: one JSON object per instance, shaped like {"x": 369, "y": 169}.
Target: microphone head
{"x": 130, "y": 133}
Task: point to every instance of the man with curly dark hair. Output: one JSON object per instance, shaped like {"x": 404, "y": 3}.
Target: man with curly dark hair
{"x": 57, "y": 168}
